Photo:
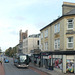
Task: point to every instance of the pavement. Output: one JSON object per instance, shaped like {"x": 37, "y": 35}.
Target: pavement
{"x": 49, "y": 72}
{"x": 2, "y": 70}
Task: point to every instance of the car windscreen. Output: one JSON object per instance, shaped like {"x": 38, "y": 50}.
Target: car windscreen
{"x": 22, "y": 58}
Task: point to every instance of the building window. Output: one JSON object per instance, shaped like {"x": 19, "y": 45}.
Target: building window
{"x": 23, "y": 37}
{"x": 57, "y": 43}
{"x": 41, "y": 46}
{"x": 57, "y": 28}
{"x": 41, "y": 35}
{"x": 46, "y": 46}
{"x": 70, "y": 42}
{"x": 70, "y": 24}
{"x": 46, "y": 33}
{"x": 38, "y": 42}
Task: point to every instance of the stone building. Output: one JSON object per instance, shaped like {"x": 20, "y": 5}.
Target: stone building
{"x": 58, "y": 40}
{"x": 30, "y": 43}
{"x": 22, "y": 35}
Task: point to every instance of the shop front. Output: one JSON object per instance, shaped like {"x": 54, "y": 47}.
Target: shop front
{"x": 70, "y": 64}
{"x": 46, "y": 61}
{"x": 63, "y": 61}
{"x": 37, "y": 59}
{"x": 57, "y": 62}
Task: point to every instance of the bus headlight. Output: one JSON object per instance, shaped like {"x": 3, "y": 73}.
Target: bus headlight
{"x": 19, "y": 65}
{"x": 27, "y": 65}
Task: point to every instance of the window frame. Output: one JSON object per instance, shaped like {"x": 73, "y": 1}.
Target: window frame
{"x": 46, "y": 46}
{"x": 70, "y": 42}
{"x": 41, "y": 46}
{"x": 41, "y": 35}
{"x": 57, "y": 28}
{"x": 68, "y": 24}
{"x": 57, "y": 43}
{"x": 46, "y": 33}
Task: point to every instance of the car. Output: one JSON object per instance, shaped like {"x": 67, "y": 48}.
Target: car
{"x": 15, "y": 61}
{"x": 6, "y": 61}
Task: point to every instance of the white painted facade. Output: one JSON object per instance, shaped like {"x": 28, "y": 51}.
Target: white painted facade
{"x": 29, "y": 44}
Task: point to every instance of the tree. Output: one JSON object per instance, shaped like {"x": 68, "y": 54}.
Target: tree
{"x": 0, "y": 50}
{"x": 11, "y": 51}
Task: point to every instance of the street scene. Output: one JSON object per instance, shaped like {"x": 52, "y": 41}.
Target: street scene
{"x": 10, "y": 69}
{"x": 37, "y": 37}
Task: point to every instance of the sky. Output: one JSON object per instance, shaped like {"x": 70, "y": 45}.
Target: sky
{"x": 31, "y": 15}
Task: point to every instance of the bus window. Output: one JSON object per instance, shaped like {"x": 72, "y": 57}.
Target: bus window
{"x": 22, "y": 58}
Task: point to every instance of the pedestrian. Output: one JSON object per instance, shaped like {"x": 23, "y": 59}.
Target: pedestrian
{"x": 34, "y": 62}
{"x": 39, "y": 63}
{"x": 1, "y": 60}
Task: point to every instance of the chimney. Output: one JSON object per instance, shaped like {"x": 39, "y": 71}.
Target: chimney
{"x": 67, "y": 7}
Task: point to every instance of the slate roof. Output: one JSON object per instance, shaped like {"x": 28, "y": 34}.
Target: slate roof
{"x": 68, "y": 14}
{"x": 71, "y": 12}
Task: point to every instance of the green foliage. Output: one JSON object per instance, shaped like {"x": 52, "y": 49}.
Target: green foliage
{"x": 11, "y": 51}
{"x": 0, "y": 50}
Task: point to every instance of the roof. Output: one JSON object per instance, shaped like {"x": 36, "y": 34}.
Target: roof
{"x": 59, "y": 19}
{"x": 71, "y": 12}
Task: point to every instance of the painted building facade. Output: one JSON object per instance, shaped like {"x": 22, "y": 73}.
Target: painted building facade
{"x": 30, "y": 43}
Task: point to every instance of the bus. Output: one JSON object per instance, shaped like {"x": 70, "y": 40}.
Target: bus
{"x": 21, "y": 60}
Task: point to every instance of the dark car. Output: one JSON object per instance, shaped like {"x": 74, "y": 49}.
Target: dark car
{"x": 15, "y": 61}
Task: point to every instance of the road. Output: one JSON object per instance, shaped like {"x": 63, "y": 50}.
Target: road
{"x": 10, "y": 69}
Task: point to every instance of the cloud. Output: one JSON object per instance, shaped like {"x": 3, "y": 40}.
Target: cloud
{"x": 31, "y": 15}
{"x": 20, "y": 14}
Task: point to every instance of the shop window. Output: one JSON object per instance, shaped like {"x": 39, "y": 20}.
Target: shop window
{"x": 70, "y": 66}
{"x": 57, "y": 63}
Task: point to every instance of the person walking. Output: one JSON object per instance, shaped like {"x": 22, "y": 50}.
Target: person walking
{"x": 1, "y": 60}
{"x": 39, "y": 64}
{"x": 34, "y": 62}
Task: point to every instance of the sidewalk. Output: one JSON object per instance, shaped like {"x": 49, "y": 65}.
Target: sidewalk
{"x": 2, "y": 70}
{"x": 51, "y": 72}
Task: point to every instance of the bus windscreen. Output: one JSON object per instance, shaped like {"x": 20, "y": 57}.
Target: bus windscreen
{"x": 22, "y": 58}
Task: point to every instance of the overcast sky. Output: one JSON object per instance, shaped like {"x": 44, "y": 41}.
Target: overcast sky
{"x": 31, "y": 15}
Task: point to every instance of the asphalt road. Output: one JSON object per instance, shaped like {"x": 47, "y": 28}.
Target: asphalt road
{"x": 10, "y": 69}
